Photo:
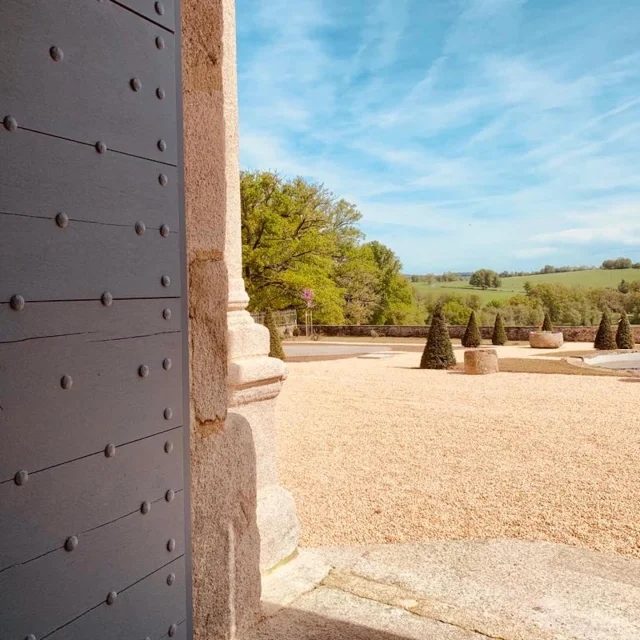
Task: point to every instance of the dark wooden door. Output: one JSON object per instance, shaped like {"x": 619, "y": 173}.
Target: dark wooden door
{"x": 93, "y": 366}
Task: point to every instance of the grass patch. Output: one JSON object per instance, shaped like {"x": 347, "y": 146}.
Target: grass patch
{"x": 464, "y": 289}
{"x": 591, "y": 278}
{"x": 529, "y": 365}
{"x": 512, "y": 286}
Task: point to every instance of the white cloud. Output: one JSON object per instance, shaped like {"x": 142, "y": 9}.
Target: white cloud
{"x": 588, "y": 235}
{"x": 520, "y": 81}
{"x": 384, "y": 27}
{"x": 479, "y": 132}
{"x": 535, "y": 252}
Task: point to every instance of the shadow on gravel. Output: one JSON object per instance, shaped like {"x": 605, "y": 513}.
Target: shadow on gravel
{"x": 449, "y": 371}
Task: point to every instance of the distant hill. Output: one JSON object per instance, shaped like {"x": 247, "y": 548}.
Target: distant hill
{"x": 512, "y": 286}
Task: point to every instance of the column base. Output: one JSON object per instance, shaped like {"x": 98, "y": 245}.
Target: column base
{"x": 254, "y": 381}
{"x": 278, "y": 526}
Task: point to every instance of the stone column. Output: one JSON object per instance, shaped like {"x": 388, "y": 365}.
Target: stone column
{"x": 254, "y": 379}
{"x": 242, "y": 520}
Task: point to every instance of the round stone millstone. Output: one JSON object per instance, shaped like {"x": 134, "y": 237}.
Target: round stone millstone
{"x": 481, "y": 361}
{"x": 546, "y": 339}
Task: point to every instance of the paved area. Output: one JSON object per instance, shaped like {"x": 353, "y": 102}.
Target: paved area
{"x": 304, "y": 349}
{"x": 329, "y": 349}
{"x": 378, "y": 451}
{"x": 498, "y": 589}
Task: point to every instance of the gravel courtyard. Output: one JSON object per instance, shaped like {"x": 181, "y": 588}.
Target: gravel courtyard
{"x": 378, "y": 451}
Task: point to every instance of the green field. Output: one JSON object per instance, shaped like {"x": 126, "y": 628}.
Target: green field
{"x": 512, "y": 286}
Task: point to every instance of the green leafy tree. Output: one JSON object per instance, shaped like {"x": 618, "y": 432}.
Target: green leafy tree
{"x": 293, "y": 232}
{"x": 561, "y": 301}
{"x": 485, "y": 279}
{"x": 298, "y": 235}
{"x": 455, "y": 312}
{"x": 356, "y": 274}
{"x": 624, "y": 335}
{"x": 275, "y": 342}
{"x": 604, "y": 337}
{"x": 499, "y": 336}
{"x": 618, "y": 263}
{"x": 546, "y": 323}
{"x": 472, "y": 337}
{"x": 438, "y": 352}
{"x": 395, "y": 295}
{"x": 473, "y": 301}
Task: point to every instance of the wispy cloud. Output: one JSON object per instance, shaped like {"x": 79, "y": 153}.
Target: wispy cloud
{"x": 469, "y": 132}
{"x": 381, "y": 36}
{"x": 535, "y": 252}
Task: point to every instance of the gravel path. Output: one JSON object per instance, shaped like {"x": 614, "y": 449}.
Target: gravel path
{"x": 378, "y": 451}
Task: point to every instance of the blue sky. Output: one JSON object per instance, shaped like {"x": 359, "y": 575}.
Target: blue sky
{"x": 470, "y": 133}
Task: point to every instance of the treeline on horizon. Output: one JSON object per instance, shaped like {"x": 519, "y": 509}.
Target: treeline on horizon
{"x": 297, "y": 235}
{"x": 456, "y": 276}
{"x": 569, "y": 306}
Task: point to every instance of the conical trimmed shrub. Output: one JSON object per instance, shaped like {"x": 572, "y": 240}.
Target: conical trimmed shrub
{"x": 472, "y": 337}
{"x": 604, "y": 338}
{"x": 546, "y": 324}
{"x": 438, "y": 352}
{"x": 275, "y": 342}
{"x": 624, "y": 335}
{"x": 499, "y": 336}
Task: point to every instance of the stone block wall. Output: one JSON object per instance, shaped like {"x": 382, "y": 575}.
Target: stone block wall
{"x": 571, "y": 334}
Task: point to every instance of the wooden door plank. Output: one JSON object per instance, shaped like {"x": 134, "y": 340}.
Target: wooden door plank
{"x": 71, "y": 499}
{"x": 83, "y": 90}
{"x": 108, "y": 402}
{"x": 146, "y": 609}
{"x": 40, "y": 261}
{"x": 50, "y": 175}
{"x": 106, "y": 559}
{"x": 88, "y": 320}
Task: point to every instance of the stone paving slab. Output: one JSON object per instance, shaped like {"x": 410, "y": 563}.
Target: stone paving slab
{"x": 284, "y": 585}
{"x": 332, "y": 614}
{"x": 508, "y": 589}
{"x": 460, "y": 590}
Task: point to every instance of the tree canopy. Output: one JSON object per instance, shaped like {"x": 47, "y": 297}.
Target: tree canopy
{"x": 297, "y": 235}
{"x": 485, "y": 279}
{"x": 618, "y": 263}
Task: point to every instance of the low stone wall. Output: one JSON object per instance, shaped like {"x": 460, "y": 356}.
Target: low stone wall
{"x": 571, "y": 334}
